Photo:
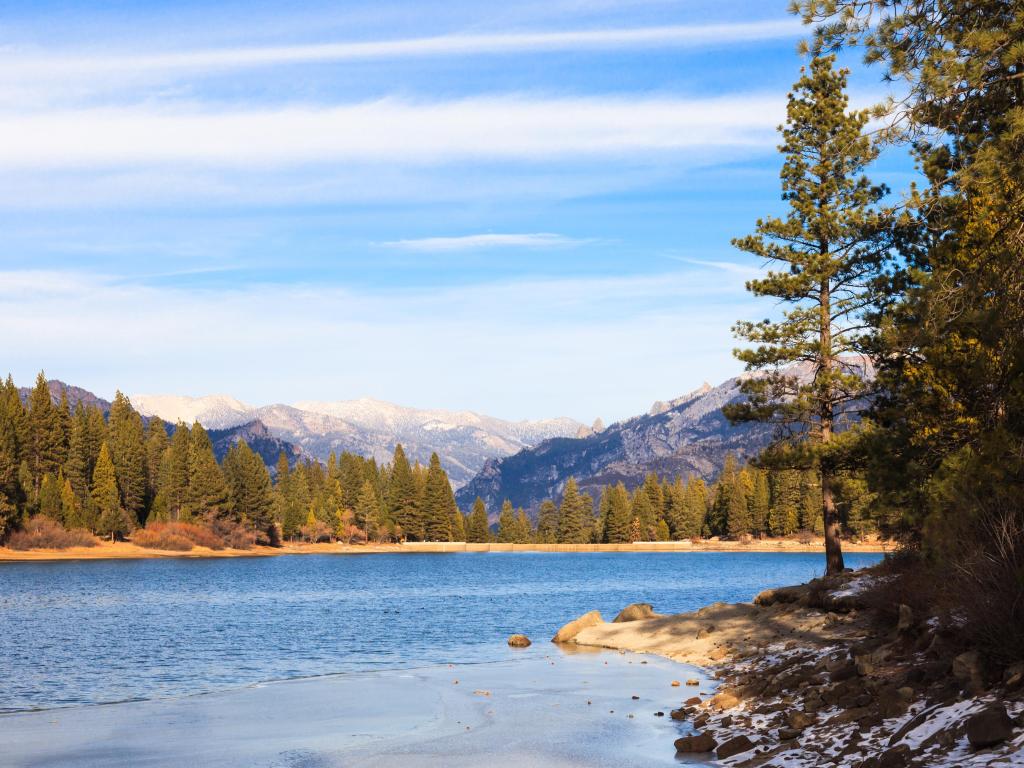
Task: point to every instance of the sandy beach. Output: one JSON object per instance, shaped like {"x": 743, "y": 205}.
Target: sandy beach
{"x": 107, "y": 550}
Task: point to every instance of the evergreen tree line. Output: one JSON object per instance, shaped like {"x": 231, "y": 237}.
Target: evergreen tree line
{"x": 743, "y": 501}
{"x": 111, "y": 475}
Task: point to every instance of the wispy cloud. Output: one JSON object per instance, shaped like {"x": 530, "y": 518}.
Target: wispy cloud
{"x": 25, "y": 64}
{"x": 388, "y": 130}
{"x": 485, "y": 241}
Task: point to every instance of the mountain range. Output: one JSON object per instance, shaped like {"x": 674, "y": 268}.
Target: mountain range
{"x": 682, "y": 437}
{"x": 463, "y": 440}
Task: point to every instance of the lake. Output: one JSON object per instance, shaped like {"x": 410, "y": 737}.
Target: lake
{"x": 81, "y": 633}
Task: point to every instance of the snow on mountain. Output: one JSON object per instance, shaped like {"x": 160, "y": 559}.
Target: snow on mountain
{"x": 212, "y": 411}
{"x": 464, "y": 440}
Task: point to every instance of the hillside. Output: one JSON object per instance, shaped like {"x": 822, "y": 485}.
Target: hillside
{"x": 686, "y": 436}
{"x": 258, "y": 437}
{"x": 464, "y": 440}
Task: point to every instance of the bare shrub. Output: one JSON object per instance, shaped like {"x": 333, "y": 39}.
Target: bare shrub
{"x": 315, "y": 531}
{"x": 42, "y": 532}
{"x": 805, "y": 537}
{"x": 987, "y": 579}
{"x": 160, "y": 536}
{"x": 177, "y": 537}
{"x": 746, "y": 539}
{"x": 240, "y": 537}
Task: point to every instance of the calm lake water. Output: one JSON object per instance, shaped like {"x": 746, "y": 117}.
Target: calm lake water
{"x": 98, "y": 632}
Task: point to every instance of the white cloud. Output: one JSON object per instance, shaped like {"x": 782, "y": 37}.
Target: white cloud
{"x": 485, "y": 241}
{"x": 516, "y": 348}
{"x": 21, "y": 65}
{"x": 388, "y": 131}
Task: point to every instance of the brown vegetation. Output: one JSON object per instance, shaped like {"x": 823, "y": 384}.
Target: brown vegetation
{"x": 43, "y": 533}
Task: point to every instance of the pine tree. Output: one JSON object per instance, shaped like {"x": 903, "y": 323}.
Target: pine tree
{"x": 507, "y": 523}
{"x": 725, "y": 487}
{"x": 10, "y": 489}
{"x": 458, "y": 523}
{"x": 617, "y": 514}
{"x": 737, "y": 509}
{"x": 112, "y": 520}
{"x": 547, "y": 523}
{"x": 696, "y": 508}
{"x": 810, "y": 506}
{"x": 833, "y": 242}
{"x": 573, "y": 522}
{"x": 174, "y": 474}
{"x": 643, "y": 510}
{"x": 157, "y": 443}
{"x": 524, "y": 530}
{"x": 438, "y": 503}
{"x": 783, "y": 516}
{"x": 128, "y": 452}
{"x": 43, "y": 448}
{"x": 69, "y": 507}
{"x": 208, "y": 496}
{"x": 368, "y": 511}
{"x": 760, "y": 502}
{"x": 250, "y": 488}
{"x": 478, "y": 532}
{"x": 49, "y": 497}
{"x": 402, "y": 497}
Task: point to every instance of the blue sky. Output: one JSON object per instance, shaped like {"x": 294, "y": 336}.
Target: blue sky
{"x": 522, "y": 208}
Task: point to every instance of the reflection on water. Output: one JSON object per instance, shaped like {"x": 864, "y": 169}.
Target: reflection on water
{"x": 90, "y": 632}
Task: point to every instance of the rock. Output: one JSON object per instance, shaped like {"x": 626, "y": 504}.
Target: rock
{"x": 519, "y": 641}
{"x": 989, "y": 727}
{"x": 734, "y": 746}
{"x": 636, "y": 612}
{"x": 675, "y": 683}
{"x": 717, "y": 654}
{"x": 568, "y": 633}
{"x": 1014, "y": 675}
{"x": 788, "y": 734}
{"x": 967, "y": 670}
{"x": 692, "y": 701}
{"x": 723, "y": 700}
{"x": 692, "y": 681}
{"x": 698, "y": 742}
{"x": 678, "y": 714}
{"x": 799, "y": 720}
{"x": 895, "y": 757}
{"x": 779, "y": 595}
{"x": 906, "y": 619}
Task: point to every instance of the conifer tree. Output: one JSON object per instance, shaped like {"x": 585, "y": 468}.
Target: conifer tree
{"x": 49, "y": 497}
{"x": 524, "y": 530}
{"x": 810, "y": 506}
{"x": 643, "y": 511}
{"x": 174, "y": 474}
{"x": 507, "y": 523}
{"x": 759, "y": 502}
{"x": 43, "y": 448}
{"x": 127, "y": 445}
{"x": 368, "y": 511}
{"x": 69, "y": 507}
{"x": 458, "y": 523}
{"x": 438, "y": 502}
{"x": 157, "y": 442}
{"x": 208, "y": 496}
{"x": 783, "y": 516}
{"x": 617, "y": 510}
{"x": 573, "y": 524}
{"x": 10, "y": 488}
{"x": 737, "y": 509}
{"x": 547, "y": 523}
{"x": 478, "y": 532}
{"x": 402, "y": 497}
{"x": 250, "y": 487}
{"x": 832, "y": 245}
{"x": 112, "y": 520}
{"x": 696, "y": 508}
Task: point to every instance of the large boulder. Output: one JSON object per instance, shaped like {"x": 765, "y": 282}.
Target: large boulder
{"x": 519, "y": 641}
{"x": 698, "y": 742}
{"x": 989, "y": 727}
{"x": 568, "y": 633}
{"x": 969, "y": 671}
{"x": 734, "y": 746}
{"x": 636, "y": 612}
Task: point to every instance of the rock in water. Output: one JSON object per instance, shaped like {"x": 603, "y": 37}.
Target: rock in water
{"x": 698, "y": 742}
{"x": 519, "y": 641}
{"x": 569, "y": 631}
{"x": 636, "y": 612}
{"x": 989, "y": 727}
{"x": 734, "y": 746}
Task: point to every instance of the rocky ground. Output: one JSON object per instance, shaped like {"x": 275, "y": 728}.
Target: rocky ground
{"x": 816, "y": 675}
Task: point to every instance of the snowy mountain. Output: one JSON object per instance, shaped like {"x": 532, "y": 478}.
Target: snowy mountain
{"x": 681, "y": 437}
{"x": 464, "y": 440}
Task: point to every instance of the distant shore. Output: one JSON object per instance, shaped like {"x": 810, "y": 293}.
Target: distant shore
{"x": 106, "y": 550}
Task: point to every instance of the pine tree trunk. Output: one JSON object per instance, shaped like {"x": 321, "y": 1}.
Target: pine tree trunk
{"x": 833, "y": 547}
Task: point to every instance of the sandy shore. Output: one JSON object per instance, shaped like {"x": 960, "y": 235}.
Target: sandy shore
{"x": 814, "y": 676}
{"x": 106, "y": 550}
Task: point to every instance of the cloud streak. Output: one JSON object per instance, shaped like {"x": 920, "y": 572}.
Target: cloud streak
{"x": 673, "y": 36}
{"x": 485, "y": 242}
{"x": 388, "y": 130}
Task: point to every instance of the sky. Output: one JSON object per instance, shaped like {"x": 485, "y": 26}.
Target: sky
{"x": 522, "y": 208}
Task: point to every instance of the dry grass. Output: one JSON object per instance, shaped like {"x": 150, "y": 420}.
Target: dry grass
{"x": 176, "y": 537}
{"x": 41, "y": 532}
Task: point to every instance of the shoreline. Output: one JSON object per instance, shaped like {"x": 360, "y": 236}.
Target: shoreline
{"x": 817, "y": 675}
{"x": 123, "y": 550}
